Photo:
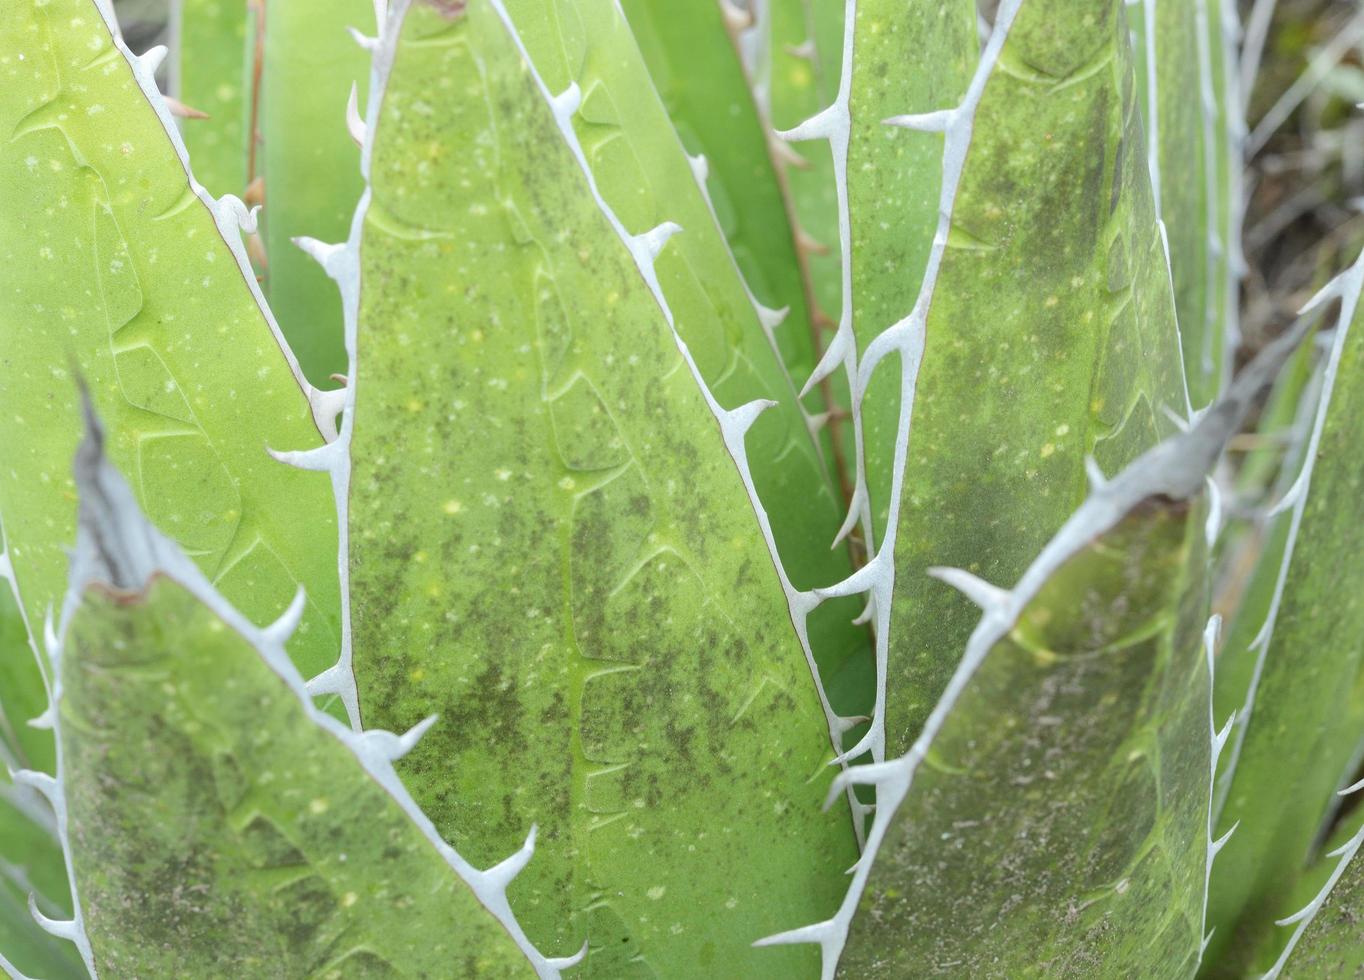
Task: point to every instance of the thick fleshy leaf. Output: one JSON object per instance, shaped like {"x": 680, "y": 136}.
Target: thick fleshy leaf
{"x": 1043, "y": 331}
{"x": 1320, "y": 933}
{"x": 693, "y": 58}
{"x": 310, "y": 164}
{"x": 210, "y": 76}
{"x": 31, "y": 863}
{"x": 217, "y": 823}
{"x": 1183, "y": 91}
{"x": 797, "y": 76}
{"x": 644, "y": 175}
{"x": 694, "y": 63}
{"x": 1058, "y": 823}
{"x": 550, "y": 544}
{"x": 1052, "y": 819}
{"x": 1303, "y": 705}
{"x": 115, "y": 266}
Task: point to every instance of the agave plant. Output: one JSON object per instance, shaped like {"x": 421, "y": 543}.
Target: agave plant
{"x": 523, "y": 396}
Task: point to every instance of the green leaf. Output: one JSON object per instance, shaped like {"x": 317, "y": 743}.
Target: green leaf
{"x": 1041, "y": 328}
{"x": 209, "y": 45}
{"x": 31, "y": 863}
{"x": 218, "y": 823}
{"x": 23, "y": 695}
{"x": 115, "y": 266}
{"x": 1326, "y": 939}
{"x": 642, "y": 173}
{"x": 1182, "y": 73}
{"x": 1303, "y": 705}
{"x": 1052, "y": 819}
{"x": 692, "y": 59}
{"x": 1057, "y": 823}
{"x": 310, "y": 165}
{"x": 549, "y": 543}
{"x": 797, "y": 76}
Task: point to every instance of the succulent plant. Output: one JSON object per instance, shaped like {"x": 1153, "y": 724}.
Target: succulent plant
{"x": 525, "y": 412}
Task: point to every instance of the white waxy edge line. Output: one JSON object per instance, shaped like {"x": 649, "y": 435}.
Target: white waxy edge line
{"x": 1301, "y": 919}
{"x": 769, "y": 319}
{"x": 1215, "y": 251}
{"x": 1347, "y": 287}
{"x": 1234, "y": 123}
{"x": 1148, "y": 13}
{"x": 1153, "y": 167}
{"x": 1176, "y": 468}
{"x": 907, "y": 336}
{"x": 12, "y": 970}
{"x": 50, "y": 787}
{"x": 734, "y": 424}
{"x": 37, "y": 795}
{"x": 117, "y": 546}
{"x": 230, "y": 215}
{"x": 834, "y": 124}
{"x": 1219, "y": 740}
{"x": 341, "y": 262}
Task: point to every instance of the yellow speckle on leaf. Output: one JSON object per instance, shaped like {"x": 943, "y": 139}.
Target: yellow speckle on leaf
{"x": 318, "y": 805}
{"x": 1047, "y": 450}
{"x": 452, "y": 507}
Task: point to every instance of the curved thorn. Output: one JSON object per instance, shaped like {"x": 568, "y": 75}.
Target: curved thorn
{"x": 61, "y": 928}
{"x": 832, "y": 358}
{"x": 502, "y": 873}
{"x": 822, "y": 125}
{"x": 653, "y": 240}
{"x": 152, "y": 58}
{"x": 370, "y": 44}
{"x": 564, "y": 962}
{"x": 743, "y": 417}
{"x": 355, "y": 125}
{"x": 567, "y": 102}
{"x": 939, "y": 121}
{"x": 330, "y": 256}
{"x": 283, "y": 628}
{"x": 1221, "y": 842}
{"x": 990, "y": 598}
{"x": 320, "y": 460}
{"x": 326, "y": 406}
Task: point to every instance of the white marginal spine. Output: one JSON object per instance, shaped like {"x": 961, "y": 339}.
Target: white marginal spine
{"x": 1347, "y": 287}
{"x": 734, "y": 424}
{"x": 1148, "y": 11}
{"x": 1175, "y": 468}
{"x": 29, "y": 786}
{"x": 1301, "y": 919}
{"x": 142, "y": 552}
{"x": 1207, "y": 101}
{"x": 1219, "y": 741}
{"x": 53, "y": 789}
{"x": 230, "y": 215}
{"x": 342, "y": 263}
